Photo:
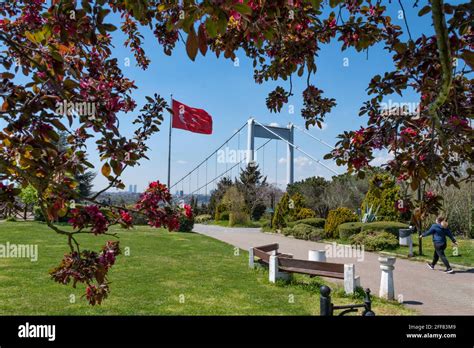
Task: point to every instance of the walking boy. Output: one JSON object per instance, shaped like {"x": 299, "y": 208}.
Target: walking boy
{"x": 440, "y": 230}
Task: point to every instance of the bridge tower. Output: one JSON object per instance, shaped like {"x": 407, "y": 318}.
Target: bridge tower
{"x": 271, "y": 132}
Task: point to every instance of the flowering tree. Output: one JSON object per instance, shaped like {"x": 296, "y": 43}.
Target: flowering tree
{"x": 60, "y": 76}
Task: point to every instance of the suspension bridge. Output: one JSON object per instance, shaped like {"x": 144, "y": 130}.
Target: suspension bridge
{"x": 226, "y": 161}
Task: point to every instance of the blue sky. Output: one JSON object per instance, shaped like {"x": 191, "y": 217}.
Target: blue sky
{"x": 229, "y": 93}
{"x": 231, "y": 96}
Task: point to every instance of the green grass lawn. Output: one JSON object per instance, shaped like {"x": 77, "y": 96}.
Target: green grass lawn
{"x": 464, "y": 255}
{"x": 225, "y": 223}
{"x": 465, "y": 251}
{"x": 162, "y": 268}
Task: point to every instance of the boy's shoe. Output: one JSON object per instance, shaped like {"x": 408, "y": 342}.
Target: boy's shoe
{"x": 449, "y": 271}
{"x": 430, "y": 266}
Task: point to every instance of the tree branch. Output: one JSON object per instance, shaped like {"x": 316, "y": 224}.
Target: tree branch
{"x": 444, "y": 52}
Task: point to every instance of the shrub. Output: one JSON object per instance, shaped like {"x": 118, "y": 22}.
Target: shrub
{"x": 375, "y": 240}
{"x": 315, "y": 222}
{"x": 287, "y": 231}
{"x": 202, "y": 218}
{"x": 281, "y": 212}
{"x": 235, "y": 201}
{"x": 224, "y": 216}
{"x": 317, "y": 234}
{"x": 258, "y": 211}
{"x": 348, "y": 229}
{"x": 383, "y": 194}
{"x": 337, "y": 217}
{"x": 186, "y": 224}
{"x": 295, "y": 205}
{"x": 304, "y": 231}
{"x": 305, "y": 213}
{"x": 238, "y": 218}
{"x": 11, "y": 219}
{"x": 221, "y": 208}
{"x": 386, "y": 226}
{"x": 38, "y": 215}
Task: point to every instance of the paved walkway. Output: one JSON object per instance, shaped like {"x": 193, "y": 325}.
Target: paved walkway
{"x": 429, "y": 292}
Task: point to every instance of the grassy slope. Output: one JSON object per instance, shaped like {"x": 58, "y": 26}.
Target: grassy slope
{"x": 162, "y": 266}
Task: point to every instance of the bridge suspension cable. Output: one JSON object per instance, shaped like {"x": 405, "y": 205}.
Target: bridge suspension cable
{"x": 297, "y": 148}
{"x": 208, "y": 157}
{"x": 226, "y": 171}
{"x": 312, "y": 136}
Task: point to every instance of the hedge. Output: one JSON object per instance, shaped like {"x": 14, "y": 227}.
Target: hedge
{"x": 348, "y": 229}
{"x": 375, "y": 240}
{"x": 199, "y": 219}
{"x": 387, "y": 226}
{"x": 315, "y": 222}
{"x": 304, "y": 231}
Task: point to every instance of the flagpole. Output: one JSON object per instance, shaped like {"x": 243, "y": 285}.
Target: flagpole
{"x": 169, "y": 146}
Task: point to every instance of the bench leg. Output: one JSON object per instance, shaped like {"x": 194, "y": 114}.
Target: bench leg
{"x": 274, "y": 273}
{"x": 251, "y": 258}
{"x": 349, "y": 278}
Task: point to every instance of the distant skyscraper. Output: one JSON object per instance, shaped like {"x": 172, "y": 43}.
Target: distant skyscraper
{"x": 135, "y": 188}
{"x": 130, "y": 188}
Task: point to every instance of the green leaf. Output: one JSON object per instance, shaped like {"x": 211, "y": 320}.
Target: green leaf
{"x": 30, "y": 37}
{"x": 221, "y": 25}
{"x": 334, "y": 3}
{"x": 57, "y": 56}
{"x": 211, "y": 28}
{"x": 86, "y": 6}
{"x": 192, "y": 44}
{"x": 243, "y": 9}
{"x": 316, "y": 4}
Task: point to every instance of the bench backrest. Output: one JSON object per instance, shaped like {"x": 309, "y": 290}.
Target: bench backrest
{"x": 261, "y": 255}
{"x": 311, "y": 265}
{"x": 268, "y": 247}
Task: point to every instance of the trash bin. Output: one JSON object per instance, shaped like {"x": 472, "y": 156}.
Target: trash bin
{"x": 404, "y": 238}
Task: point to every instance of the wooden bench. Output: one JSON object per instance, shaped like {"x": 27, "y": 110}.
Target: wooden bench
{"x": 281, "y": 266}
{"x": 312, "y": 268}
{"x": 263, "y": 254}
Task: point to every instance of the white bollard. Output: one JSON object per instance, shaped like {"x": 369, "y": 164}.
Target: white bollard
{"x": 349, "y": 278}
{"x": 251, "y": 258}
{"x": 387, "y": 288}
{"x": 317, "y": 255}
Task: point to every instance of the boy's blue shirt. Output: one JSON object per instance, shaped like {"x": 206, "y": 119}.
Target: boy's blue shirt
{"x": 439, "y": 234}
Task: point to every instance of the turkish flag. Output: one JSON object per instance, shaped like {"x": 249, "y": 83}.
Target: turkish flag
{"x": 191, "y": 119}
